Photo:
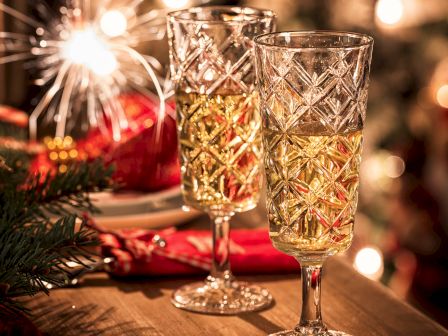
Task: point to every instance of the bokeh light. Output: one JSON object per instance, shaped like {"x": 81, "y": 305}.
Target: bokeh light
{"x": 389, "y": 12}
{"x": 380, "y": 169}
{"x": 442, "y": 96}
{"x": 394, "y": 166}
{"x": 369, "y": 262}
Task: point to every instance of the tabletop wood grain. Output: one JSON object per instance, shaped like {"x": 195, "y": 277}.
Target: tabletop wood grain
{"x": 104, "y": 306}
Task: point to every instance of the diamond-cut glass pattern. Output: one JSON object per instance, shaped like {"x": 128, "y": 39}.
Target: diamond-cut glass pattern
{"x": 215, "y": 57}
{"x": 220, "y": 141}
{"x": 219, "y": 126}
{"x": 313, "y": 103}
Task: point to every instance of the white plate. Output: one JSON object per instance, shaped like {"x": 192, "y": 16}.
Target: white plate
{"x": 139, "y": 210}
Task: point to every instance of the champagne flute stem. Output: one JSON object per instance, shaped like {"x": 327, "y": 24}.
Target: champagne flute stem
{"x": 221, "y": 249}
{"x": 311, "y": 317}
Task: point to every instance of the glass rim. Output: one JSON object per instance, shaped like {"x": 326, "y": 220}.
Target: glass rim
{"x": 254, "y": 14}
{"x": 365, "y": 40}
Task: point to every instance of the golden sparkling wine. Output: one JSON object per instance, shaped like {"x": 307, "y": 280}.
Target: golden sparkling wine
{"x": 313, "y": 186}
{"x": 220, "y": 150}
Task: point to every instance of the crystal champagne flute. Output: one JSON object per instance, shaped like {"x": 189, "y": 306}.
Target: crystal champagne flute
{"x": 212, "y": 65}
{"x": 313, "y": 97}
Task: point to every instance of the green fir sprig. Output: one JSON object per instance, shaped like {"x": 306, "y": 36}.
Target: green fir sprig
{"x": 41, "y": 226}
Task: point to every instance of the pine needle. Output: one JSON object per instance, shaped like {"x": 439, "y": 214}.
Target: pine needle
{"x": 39, "y": 234}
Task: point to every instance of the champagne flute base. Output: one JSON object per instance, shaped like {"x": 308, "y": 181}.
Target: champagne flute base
{"x": 221, "y": 297}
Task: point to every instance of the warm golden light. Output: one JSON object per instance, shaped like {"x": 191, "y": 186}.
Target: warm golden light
{"x": 58, "y": 142}
{"x": 442, "y": 96}
{"x": 389, "y": 12}
{"x": 369, "y": 262}
{"x": 53, "y": 156}
{"x": 68, "y": 140}
{"x": 63, "y": 155}
{"x": 84, "y": 47}
{"x": 380, "y": 170}
{"x": 113, "y": 23}
{"x": 73, "y": 153}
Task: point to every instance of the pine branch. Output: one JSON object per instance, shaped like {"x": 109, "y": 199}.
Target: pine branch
{"x": 34, "y": 256}
{"x": 39, "y": 197}
{"x": 35, "y": 246}
{"x": 18, "y": 167}
{"x": 78, "y": 180}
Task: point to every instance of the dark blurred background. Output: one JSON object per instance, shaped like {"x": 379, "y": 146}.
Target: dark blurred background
{"x": 402, "y": 224}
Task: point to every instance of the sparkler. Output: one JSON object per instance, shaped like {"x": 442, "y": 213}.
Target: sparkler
{"x": 86, "y": 56}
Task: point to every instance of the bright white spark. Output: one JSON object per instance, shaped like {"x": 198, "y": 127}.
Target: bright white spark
{"x": 84, "y": 47}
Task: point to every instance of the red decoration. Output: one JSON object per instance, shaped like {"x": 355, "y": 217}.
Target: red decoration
{"x": 187, "y": 252}
{"x": 42, "y": 165}
{"x": 145, "y": 158}
{"x": 13, "y": 116}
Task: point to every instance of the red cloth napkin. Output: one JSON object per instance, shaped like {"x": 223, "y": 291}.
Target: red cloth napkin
{"x": 170, "y": 252}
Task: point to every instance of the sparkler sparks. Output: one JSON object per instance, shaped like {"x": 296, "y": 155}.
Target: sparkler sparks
{"x": 86, "y": 56}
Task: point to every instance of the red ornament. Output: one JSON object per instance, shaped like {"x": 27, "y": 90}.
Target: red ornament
{"x": 13, "y": 116}
{"x": 145, "y": 158}
{"x": 42, "y": 165}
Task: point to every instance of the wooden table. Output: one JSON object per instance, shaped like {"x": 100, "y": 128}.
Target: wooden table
{"x": 102, "y": 306}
